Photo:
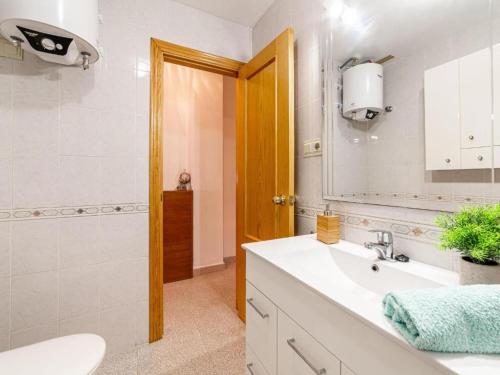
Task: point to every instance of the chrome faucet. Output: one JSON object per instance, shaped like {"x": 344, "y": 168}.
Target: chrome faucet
{"x": 384, "y": 247}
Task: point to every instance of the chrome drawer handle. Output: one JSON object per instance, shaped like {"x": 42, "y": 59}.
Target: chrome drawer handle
{"x": 291, "y": 344}
{"x": 250, "y": 368}
{"x": 262, "y": 315}
{"x": 480, "y": 158}
{"x": 447, "y": 160}
{"x": 471, "y": 137}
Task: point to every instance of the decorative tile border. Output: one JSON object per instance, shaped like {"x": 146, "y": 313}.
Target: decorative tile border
{"x": 401, "y": 196}
{"x": 60, "y": 212}
{"x": 401, "y": 228}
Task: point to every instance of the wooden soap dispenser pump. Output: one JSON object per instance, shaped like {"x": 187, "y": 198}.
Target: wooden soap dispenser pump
{"x": 328, "y": 226}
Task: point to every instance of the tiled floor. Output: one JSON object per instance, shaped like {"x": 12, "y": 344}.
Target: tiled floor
{"x": 203, "y": 334}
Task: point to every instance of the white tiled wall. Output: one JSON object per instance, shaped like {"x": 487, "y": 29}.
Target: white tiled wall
{"x": 415, "y": 232}
{"x": 71, "y": 139}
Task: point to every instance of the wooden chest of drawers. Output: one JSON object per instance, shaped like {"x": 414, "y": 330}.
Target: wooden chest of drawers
{"x": 177, "y": 235}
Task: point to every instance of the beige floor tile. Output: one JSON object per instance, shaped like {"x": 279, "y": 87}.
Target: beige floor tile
{"x": 119, "y": 364}
{"x": 203, "y": 334}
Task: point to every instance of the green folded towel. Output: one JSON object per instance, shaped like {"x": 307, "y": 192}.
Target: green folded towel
{"x": 463, "y": 319}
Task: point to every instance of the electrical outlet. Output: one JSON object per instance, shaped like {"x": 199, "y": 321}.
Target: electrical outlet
{"x": 312, "y": 148}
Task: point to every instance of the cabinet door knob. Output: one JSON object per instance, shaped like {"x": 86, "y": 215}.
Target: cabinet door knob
{"x": 471, "y": 137}
{"x": 480, "y": 158}
{"x": 448, "y": 160}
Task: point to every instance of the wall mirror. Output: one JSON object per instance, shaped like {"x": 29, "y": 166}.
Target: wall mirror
{"x": 411, "y": 102}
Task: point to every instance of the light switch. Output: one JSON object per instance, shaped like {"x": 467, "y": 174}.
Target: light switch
{"x": 312, "y": 148}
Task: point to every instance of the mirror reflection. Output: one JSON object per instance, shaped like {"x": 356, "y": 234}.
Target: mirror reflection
{"x": 411, "y": 90}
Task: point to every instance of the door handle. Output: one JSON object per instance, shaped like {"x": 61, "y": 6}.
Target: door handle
{"x": 279, "y": 200}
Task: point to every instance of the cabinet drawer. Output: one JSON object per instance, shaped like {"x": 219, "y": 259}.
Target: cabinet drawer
{"x": 252, "y": 364}
{"x": 476, "y": 158}
{"x": 300, "y": 354}
{"x": 261, "y": 328}
{"x": 449, "y": 160}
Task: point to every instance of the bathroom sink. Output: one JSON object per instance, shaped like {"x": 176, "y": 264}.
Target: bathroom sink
{"x": 348, "y": 271}
{"x": 362, "y": 270}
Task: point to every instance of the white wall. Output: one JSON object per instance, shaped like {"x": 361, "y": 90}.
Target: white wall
{"x": 193, "y": 141}
{"x": 73, "y": 140}
{"x": 416, "y": 234}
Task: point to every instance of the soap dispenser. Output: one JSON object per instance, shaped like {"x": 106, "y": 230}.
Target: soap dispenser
{"x": 328, "y": 227}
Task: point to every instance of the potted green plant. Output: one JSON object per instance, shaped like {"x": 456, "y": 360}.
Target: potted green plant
{"x": 475, "y": 233}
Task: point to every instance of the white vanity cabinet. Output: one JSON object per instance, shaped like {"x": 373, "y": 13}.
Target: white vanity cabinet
{"x": 278, "y": 345}
{"x": 262, "y": 323}
{"x": 299, "y": 353}
{"x": 253, "y": 365}
{"x": 458, "y": 108}
{"x": 292, "y": 330}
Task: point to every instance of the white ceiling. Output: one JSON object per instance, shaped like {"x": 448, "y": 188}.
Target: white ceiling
{"x": 244, "y": 12}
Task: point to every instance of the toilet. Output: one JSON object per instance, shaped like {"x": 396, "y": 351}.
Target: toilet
{"x": 69, "y": 355}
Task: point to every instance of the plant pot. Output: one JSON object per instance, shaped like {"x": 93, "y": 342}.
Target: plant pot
{"x": 475, "y": 273}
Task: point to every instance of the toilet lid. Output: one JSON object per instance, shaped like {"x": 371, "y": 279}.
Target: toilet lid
{"x": 68, "y": 355}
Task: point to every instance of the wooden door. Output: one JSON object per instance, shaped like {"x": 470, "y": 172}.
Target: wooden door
{"x": 265, "y": 151}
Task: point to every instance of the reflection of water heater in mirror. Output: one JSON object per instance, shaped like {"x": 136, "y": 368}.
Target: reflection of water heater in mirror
{"x": 363, "y": 91}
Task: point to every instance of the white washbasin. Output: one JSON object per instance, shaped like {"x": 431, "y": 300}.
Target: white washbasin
{"x": 349, "y": 267}
{"x": 343, "y": 273}
{"x": 363, "y": 270}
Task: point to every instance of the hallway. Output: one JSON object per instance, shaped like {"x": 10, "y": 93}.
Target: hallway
{"x": 203, "y": 334}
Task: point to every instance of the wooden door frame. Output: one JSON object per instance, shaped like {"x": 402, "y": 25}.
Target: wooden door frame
{"x": 162, "y": 52}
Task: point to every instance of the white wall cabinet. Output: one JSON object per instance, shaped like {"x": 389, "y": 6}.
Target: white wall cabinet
{"x": 476, "y": 158}
{"x": 475, "y": 99}
{"x": 496, "y": 156}
{"x": 458, "y": 108}
{"x": 442, "y": 117}
{"x": 496, "y": 98}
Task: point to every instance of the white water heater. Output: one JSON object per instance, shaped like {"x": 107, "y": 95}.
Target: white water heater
{"x": 363, "y": 91}
{"x": 58, "y": 31}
